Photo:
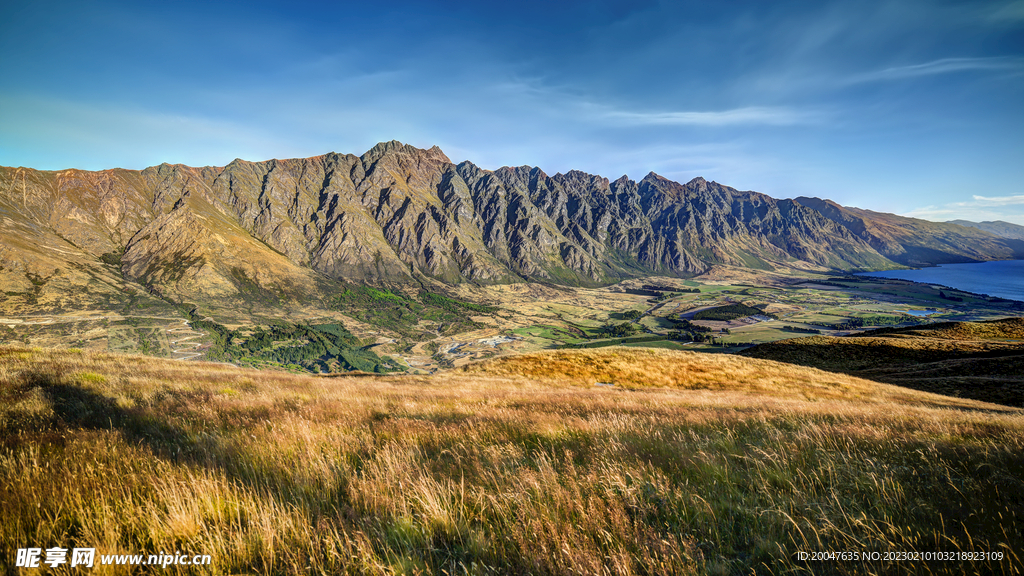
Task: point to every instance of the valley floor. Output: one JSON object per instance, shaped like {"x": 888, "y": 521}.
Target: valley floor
{"x": 527, "y": 317}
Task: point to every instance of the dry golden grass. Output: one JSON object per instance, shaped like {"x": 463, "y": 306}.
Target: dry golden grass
{"x": 1006, "y": 328}
{"x": 656, "y": 368}
{"x": 979, "y": 360}
{"x": 691, "y": 464}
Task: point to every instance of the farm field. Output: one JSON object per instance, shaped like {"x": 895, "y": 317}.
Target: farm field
{"x": 528, "y": 317}
{"x": 837, "y": 308}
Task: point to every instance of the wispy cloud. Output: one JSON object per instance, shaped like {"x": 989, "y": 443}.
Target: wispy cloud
{"x": 978, "y": 209}
{"x": 943, "y": 66}
{"x": 1011, "y": 12}
{"x": 566, "y": 103}
{"x": 751, "y": 115}
{"x": 997, "y": 200}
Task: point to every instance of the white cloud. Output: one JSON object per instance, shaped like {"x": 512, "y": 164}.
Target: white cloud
{"x": 998, "y": 200}
{"x": 943, "y": 66}
{"x": 566, "y": 104}
{"x": 752, "y": 115}
{"x": 979, "y": 209}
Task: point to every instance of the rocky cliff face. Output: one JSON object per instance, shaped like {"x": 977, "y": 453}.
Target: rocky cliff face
{"x": 281, "y": 228}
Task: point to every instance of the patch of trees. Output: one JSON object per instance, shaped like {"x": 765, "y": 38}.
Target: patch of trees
{"x": 944, "y": 296}
{"x": 687, "y": 331}
{"x": 399, "y": 313}
{"x": 313, "y": 347}
{"x": 877, "y": 320}
{"x": 667, "y": 295}
{"x": 800, "y": 330}
{"x": 830, "y": 282}
{"x": 612, "y": 330}
{"x": 632, "y": 315}
{"x": 727, "y": 312}
{"x": 849, "y": 324}
{"x": 687, "y": 326}
{"x": 684, "y": 336}
{"x": 615, "y": 342}
{"x": 659, "y": 293}
{"x": 639, "y": 292}
{"x": 671, "y": 289}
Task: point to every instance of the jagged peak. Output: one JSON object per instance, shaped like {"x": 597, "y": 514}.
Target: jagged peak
{"x": 522, "y": 172}
{"x": 578, "y": 178}
{"x": 239, "y": 162}
{"x": 466, "y": 165}
{"x": 697, "y": 181}
{"x": 581, "y": 175}
{"x": 381, "y": 149}
{"x": 814, "y": 202}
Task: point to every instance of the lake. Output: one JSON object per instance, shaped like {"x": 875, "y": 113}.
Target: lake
{"x": 1002, "y": 278}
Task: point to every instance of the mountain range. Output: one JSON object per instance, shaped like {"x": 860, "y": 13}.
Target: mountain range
{"x": 288, "y": 230}
{"x": 997, "y": 227}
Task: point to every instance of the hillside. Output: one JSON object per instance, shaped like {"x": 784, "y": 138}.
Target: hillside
{"x": 980, "y": 360}
{"x": 998, "y": 228}
{"x": 916, "y": 242}
{"x": 280, "y": 234}
{"x": 690, "y": 463}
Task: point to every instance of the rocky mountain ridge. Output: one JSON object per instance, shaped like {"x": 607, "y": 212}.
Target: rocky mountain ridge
{"x": 281, "y": 230}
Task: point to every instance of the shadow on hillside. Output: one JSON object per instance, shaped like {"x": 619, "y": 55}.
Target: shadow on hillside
{"x": 979, "y": 374}
{"x": 153, "y": 429}
{"x": 76, "y": 407}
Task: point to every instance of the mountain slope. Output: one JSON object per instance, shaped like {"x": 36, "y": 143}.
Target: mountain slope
{"x": 997, "y": 227}
{"x": 915, "y": 242}
{"x": 281, "y": 231}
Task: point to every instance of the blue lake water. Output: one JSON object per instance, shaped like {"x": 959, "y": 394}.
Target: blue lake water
{"x": 1003, "y": 278}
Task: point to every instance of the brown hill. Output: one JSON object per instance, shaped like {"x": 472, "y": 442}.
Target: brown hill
{"x": 980, "y": 360}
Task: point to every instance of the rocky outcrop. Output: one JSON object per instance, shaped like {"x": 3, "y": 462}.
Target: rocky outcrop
{"x": 281, "y": 228}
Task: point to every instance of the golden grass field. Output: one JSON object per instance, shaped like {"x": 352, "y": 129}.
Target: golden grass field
{"x": 690, "y": 464}
{"x": 979, "y": 360}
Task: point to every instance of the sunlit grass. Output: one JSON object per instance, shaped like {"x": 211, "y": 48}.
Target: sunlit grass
{"x": 690, "y": 464}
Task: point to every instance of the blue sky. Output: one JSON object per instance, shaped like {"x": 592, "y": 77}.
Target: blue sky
{"x": 909, "y": 107}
